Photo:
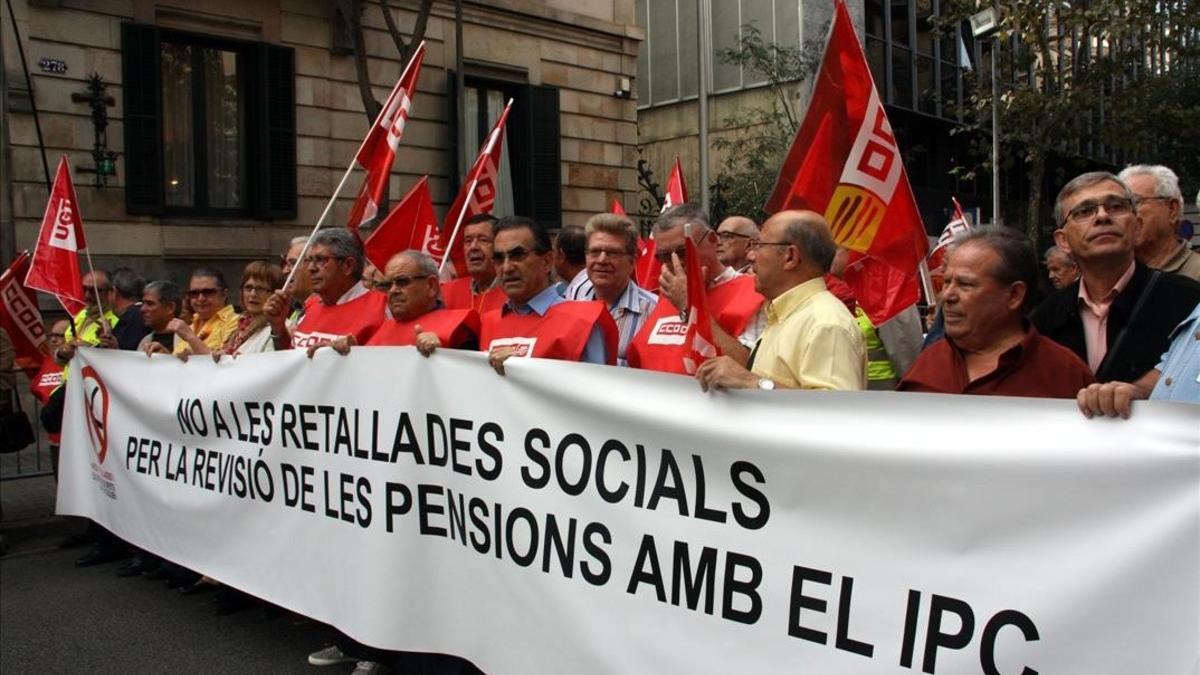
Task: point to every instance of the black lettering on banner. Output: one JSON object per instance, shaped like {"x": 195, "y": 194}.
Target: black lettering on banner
{"x": 397, "y": 502}
{"x": 523, "y": 559}
{"x": 758, "y": 520}
{"x": 362, "y": 515}
{"x": 287, "y": 424}
{"x": 458, "y": 445}
{"x": 669, "y": 484}
{"x": 198, "y": 466}
{"x": 693, "y": 584}
{"x": 647, "y": 555}
{"x": 406, "y": 440}
{"x": 639, "y": 492}
{"x": 599, "y": 577}
{"x": 577, "y": 488}
{"x": 436, "y": 458}
{"x": 935, "y": 638}
{"x": 609, "y": 495}
{"x": 564, "y": 550}
{"x": 539, "y": 481}
{"x": 268, "y": 420}
{"x": 702, "y": 511}
{"x": 131, "y": 452}
{"x": 220, "y": 428}
{"x": 426, "y": 507}
{"x": 490, "y": 450}
{"x": 747, "y": 588}
{"x": 844, "y": 642}
{"x": 481, "y": 538}
{"x": 190, "y": 415}
{"x": 987, "y": 647}
{"x": 800, "y": 601}
{"x": 457, "y": 515}
{"x": 325, "y": 411}
{"x": 911, "y": 613}
{"x": 307, "y": 426}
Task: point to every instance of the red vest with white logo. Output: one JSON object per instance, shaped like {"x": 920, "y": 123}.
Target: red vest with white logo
{"x": 561, "y": 334}
{"x": 457, "y": 294}
{"x": 48, "y": 378}
{"x": 453, "y": 328}
{"x": 659, "y": 345}
{"x": 360, "y": 317}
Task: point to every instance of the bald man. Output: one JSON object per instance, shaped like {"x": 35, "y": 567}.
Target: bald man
{"x": 811, "y": 340}
{"x": 734, "y": 237}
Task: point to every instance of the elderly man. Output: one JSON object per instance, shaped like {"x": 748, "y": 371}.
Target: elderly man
{"x": 536, "y": 321}
{"x": 301, "y": 286}
{"x": 340, "y": 304}
{"x": 478, "y": 290}
{"x": 811, "y": 340}
{"x": 213, "y": 318}
{"x": 127, "y": 296}
{"x": 735, "y": 234}
{"x": 988, "y": 348}
{"x": 1118, "y": 316}
{"x": 1159, "y": 204}
{"x": 1060, "y": 268}
{"x": 87, "y": 328}
{"x": 736, "y": 308}
{"x": 611, "y": 252}
{"x": 161, "y": 301}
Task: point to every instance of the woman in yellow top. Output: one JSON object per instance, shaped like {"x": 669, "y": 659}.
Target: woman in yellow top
{"x": 213, "y": 318}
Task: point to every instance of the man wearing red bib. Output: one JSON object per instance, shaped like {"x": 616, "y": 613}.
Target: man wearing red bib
{"x": 339, "y": 305}
{"x": 736, "y": 308}
{"x": 477, "y": 290}
{"x": 536, "y": 321}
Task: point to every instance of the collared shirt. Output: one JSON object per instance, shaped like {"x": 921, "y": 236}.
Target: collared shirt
{"x": 754, "y": 328}
{"x": 1035, "y": 366}
{"x": 579, "y": 288}
{"x": 630, "y": 311}
{"x": 1094, "y": 314}
{"x": 1184, "y": 261}
{"x": 811, "y": 341}
{"x": 541, "y": 303}
{"x": 1179, "y": 378}
{"x": 214, "y": 332}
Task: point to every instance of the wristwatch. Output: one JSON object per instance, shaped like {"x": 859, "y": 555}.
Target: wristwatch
{"x": 766, "y": 383}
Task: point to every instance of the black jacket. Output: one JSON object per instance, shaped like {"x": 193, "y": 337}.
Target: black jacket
{"x": 1170, "y": 301}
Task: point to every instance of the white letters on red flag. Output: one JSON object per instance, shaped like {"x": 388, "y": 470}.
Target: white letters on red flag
{"x": 845, "y": 164}
{"x": 478, "y": 193}
{"x": 378, "y": 149}
{"x": 55, "y": 267}
{"x": 20, "y": 317}
{"x": 411, "y": 225}
{"x": 676, "y": 189}
{"x": 699, "y": 339}
{"x": 956, "y": 227}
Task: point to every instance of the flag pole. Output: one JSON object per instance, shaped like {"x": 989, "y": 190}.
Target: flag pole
{"x": 457, "y": 225}
{"x": 926, "y": 282}
{"x": 87, "y": 253}
{"x": 328, "y": 206}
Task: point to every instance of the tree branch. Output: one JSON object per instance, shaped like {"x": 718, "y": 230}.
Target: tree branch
{"x": 350, "y": 11}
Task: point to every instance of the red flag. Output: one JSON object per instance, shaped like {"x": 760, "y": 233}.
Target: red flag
{"x": 20, "y": 317}
{"x": 55, "y": 267}
{"x": 646, "y": 267}
{"x": 617, "y": 208}
{"x": 676, "y": 189}
{"x": 957, "y": 226}
{"x": 478, "y": 193}
{"x": 378, "y": 149}
{"x": 889, "y": 288}
{"x": 699, "y": 339}
{"x": 411, "y": 225}
{"x": 845, "y": 163}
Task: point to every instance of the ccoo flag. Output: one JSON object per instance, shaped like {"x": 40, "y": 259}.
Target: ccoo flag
{"x": 55, "y": 267}
{"x": 699, "y": 343}
{"x": 20, "y": 317}
{"x": 411, "y": 225}
{"x": 845, "y": 164}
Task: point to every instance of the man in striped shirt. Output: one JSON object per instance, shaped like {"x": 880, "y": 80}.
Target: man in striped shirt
{"x": 610, "y": 253}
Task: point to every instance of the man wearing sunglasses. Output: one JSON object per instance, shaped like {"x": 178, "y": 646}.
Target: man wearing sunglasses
{"x": 536, "y": 321}
{"x": 735, "y": 234}
{"x": 1119, "y": 315}
{"x": 213, "y": 318}
{"x": 479, "y": 289}
{"x": 736, "y": 308}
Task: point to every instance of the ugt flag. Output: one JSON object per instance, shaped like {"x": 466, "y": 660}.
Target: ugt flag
{"x": 55, "y": 266}
{"x": 411, "y": 225}
{"x": 845, "y": 164}
{"x": 20, "y": 317}
{"x": 957, "y": 226}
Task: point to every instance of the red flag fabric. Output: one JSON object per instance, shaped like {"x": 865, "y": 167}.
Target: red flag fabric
{"x": 411, "y": 225}
{"x": 890, "y": 290}
{"x": 20, "y": 317}
{"x": 617, "y": 208}
{"x": 55, "y": 266}
{"x": 844, "y": 163}
{"x": 478, "y": 193}
{"x": 958, "y": 225}
{"x": 646, "y": 267}
{"x": 699, "y": 338}
{"x": 676, "y": 189}
{"x": 378, "y": 149}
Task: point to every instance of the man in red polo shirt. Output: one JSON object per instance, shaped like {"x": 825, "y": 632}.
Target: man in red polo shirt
{"x": 736, "y": 308}
{"x": 478, "y": 290}
{"x": 339, "y": 305}
{"x": 536, "y": 321}
{"x": 989, "y": 347}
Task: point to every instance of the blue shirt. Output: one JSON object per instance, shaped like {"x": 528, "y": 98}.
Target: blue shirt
{"x": 1179, "y": 378}
{"x": 593, "y": 352}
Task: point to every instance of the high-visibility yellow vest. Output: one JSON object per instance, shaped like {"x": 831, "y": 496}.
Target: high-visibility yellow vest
{"x": 88, "y": 331}
{"x": 880, "y": 374}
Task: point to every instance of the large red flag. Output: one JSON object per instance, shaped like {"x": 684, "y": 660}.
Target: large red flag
{"x": 20, "y": 317}
{"x": 676, "y": 189}
{"x": 411, "y": 225}
{"x": 55, "y": 267}
{"x": 699, "y": 339}
{"x": 958, "y": 225}
{"x": 478, "y": 193}
{"x": 378, "y": 149}
{"x": 845, "y": 163}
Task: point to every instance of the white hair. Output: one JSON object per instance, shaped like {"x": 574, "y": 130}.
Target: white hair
{"x": 1166, "y": 183}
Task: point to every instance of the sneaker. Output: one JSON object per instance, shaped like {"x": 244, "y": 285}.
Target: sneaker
{"x": 369, "y": 668}
{"x": 329, "y": 656}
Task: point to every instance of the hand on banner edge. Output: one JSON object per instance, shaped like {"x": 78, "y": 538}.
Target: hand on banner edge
{"x": 724, "y": 372}
{"x": 427, "y": 342}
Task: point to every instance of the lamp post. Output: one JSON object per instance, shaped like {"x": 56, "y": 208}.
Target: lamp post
{"x": 986, "y": 24}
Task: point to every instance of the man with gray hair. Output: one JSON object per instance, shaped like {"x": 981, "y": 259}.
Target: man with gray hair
{"x": 811, "y": 340}
{"x": 1060, "y": 268}
{"x": 1120, "y": 313}
{"x": 611, "y": 254}
{"x": 735, "y": 234}
{"x": 989, "y": 348}
{"x": 340, "y": 304}
{"x": 1160, "y": 204}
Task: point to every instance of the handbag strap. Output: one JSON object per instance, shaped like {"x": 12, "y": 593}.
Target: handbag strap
{"x": 1137, "y": 310}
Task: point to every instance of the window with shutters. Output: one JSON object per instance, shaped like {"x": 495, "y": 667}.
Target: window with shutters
{"x": 210, "y": 126}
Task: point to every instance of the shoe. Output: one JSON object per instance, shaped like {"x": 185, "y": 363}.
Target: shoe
{"x": 329, "y": 656}
{"x": 196, "y": 588}
{"x": 369, "y": 668}
{"x": 139, "y": 565}
{"x": 99, "y": 556}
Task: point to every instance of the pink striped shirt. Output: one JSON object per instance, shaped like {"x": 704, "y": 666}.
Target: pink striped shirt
{"x": 1095, "y": 318}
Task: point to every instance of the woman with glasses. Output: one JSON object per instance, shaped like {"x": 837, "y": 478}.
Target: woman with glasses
{"x": 253, "y": 335}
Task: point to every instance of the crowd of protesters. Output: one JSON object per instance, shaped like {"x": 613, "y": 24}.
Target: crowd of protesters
{"x": 1120, "y": 321}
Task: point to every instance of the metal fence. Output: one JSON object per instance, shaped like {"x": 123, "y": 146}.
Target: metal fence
{"x": 34, "y": 460}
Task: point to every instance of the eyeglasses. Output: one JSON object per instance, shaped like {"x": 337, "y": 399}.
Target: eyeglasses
{"x": 206, "y": 292}
{"x": 596, "y": 253}
{"x": 516, "y": 255}
{"x": 252, "y": 288}
{"x": 1086, "y": 212}
{"x": 730, "y": 236}
{"x": 755, "y": 245}
{"x": 285, "y": 261}
{"x": 320, "y": 260}
{"x": 1143, "y": 200}
{"x": 397, "y": 282}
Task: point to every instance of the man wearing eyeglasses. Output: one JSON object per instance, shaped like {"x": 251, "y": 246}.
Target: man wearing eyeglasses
{"x": 1119, "y": 315}
{"x": 301, "y": 287}
{"x": 610, "y": 254}
{"x": 213, "y": 318}
{"x": 87, "y": 327}
{"x": 734, "y": 236}
{"x": 1160, "y": 203}
{"x": 536, "y": 321}
{"x": 736, "y": 308}
{"x": 479, "y": 289}
{"x": 340, "y": 305}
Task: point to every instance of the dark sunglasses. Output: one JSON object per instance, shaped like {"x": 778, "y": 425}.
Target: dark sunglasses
{"x": 397, "y": 282}
{"x": 206, "y": 292}
{"x": 516, "y": 255}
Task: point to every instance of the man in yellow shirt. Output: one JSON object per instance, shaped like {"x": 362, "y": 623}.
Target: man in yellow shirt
{"x": 213, "y": 318}
{"x": 811, "y": 340}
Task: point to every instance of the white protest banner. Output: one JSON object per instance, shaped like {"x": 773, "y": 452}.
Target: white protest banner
{"x": 568, "y": 518}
